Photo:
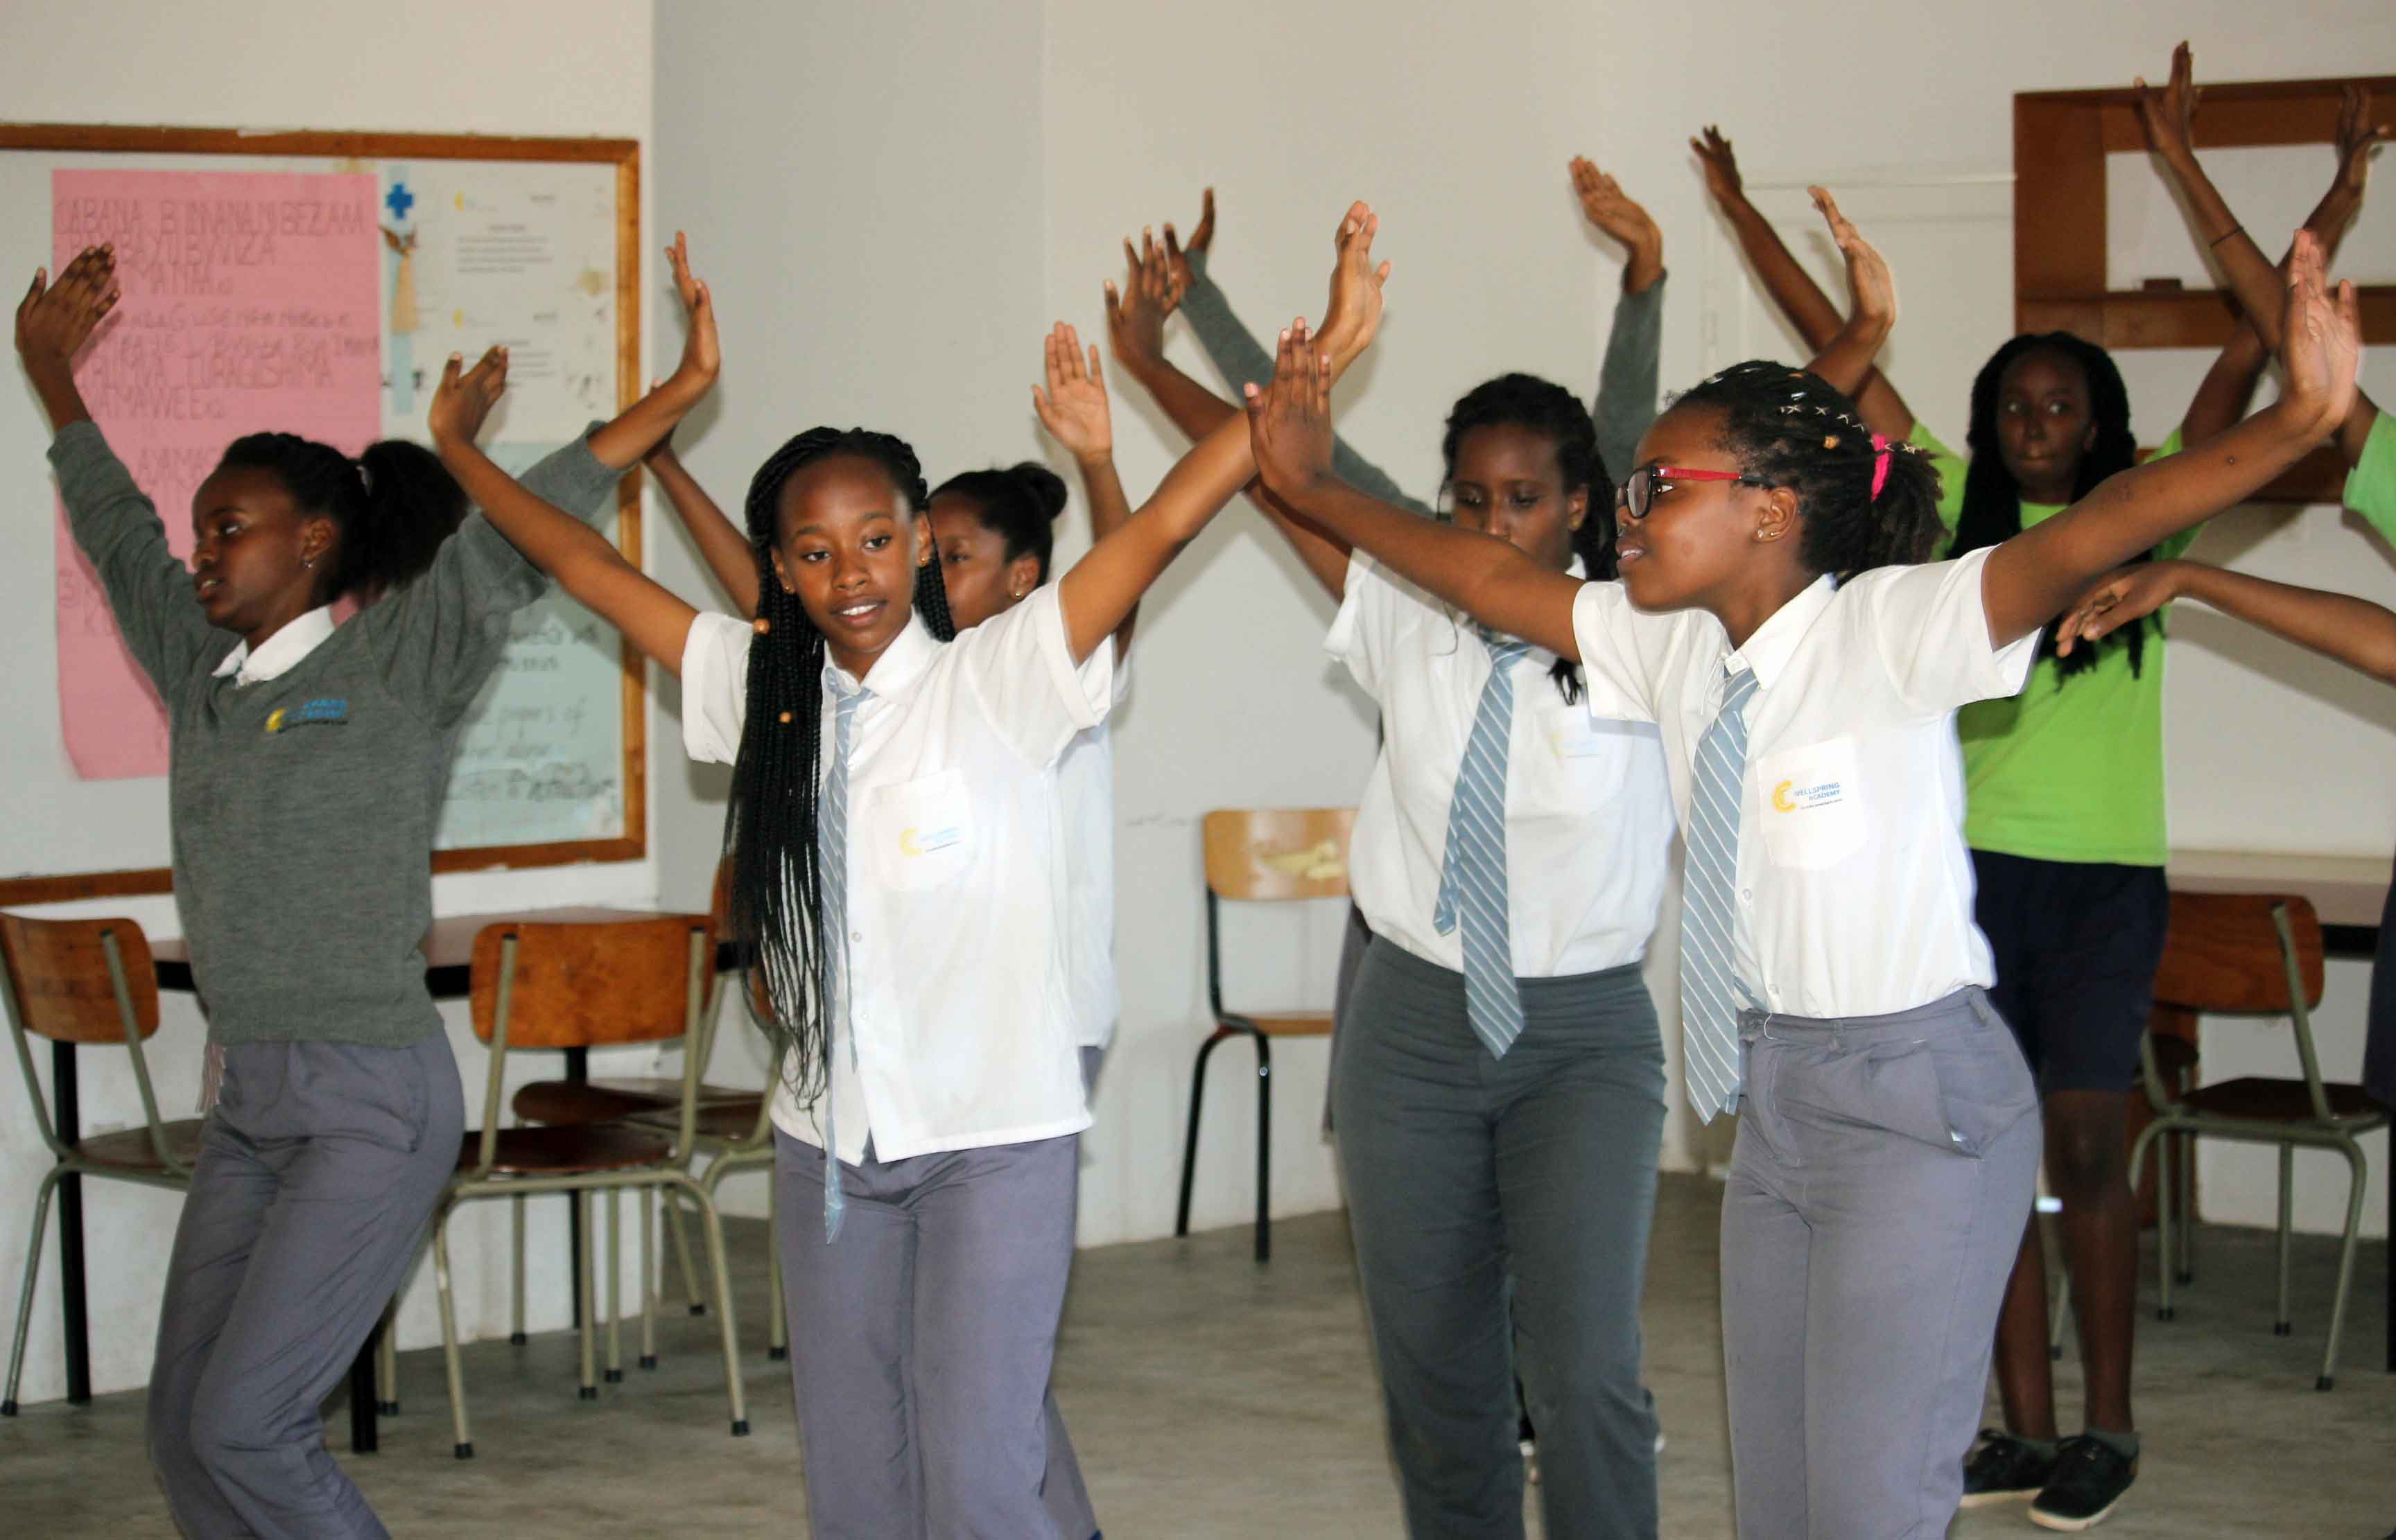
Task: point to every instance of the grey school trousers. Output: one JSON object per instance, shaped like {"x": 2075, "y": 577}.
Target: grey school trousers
{"x": 1463, "y": 1171}
{"x": 921, "y": 1339}
{"x": 316, "y": 1173}
{"x": 1878, "y": 1190}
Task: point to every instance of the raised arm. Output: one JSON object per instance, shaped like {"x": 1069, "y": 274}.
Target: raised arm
{"x": 2032, "y": 577}
{"x": 579, "y": 557}
{"x": 2168, "y": 116}
{"x": 2350, "y": 631}
{"x": 53, "y": 323}
{"x": 1488, "y": 578}
{"x": 1791, "y": 288}
{"x": 1136, "y": 326}
{"x": 1074, "y": 409}
{"x": 623, "y": 443}
{"x": 1872, "y": 308}
{"x": 1104, "y": 586}
{"x": 1628, "y": 379}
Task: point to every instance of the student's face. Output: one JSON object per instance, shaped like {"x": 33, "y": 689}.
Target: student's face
{"x": 1510, "y": 483}
{"x": 2044, "y": 424}
{"x": 847, "y": 545}
{"x": 982, "y": 580}
{"x": 1699, "y": 539}
{"x": 252, "y": 545}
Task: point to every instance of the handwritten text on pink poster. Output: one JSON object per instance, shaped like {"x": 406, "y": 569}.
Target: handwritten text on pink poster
{"x": 250, "y": 302}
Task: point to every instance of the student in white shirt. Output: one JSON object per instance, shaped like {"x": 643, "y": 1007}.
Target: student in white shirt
{"x": 995, "y": 535}
{"x": 895, "y": 835}
{"x": 1804, "y": 673}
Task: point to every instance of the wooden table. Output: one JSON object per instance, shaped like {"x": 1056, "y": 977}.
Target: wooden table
{"x": 449, "y": 958}
{"x": 2349, "y": 892}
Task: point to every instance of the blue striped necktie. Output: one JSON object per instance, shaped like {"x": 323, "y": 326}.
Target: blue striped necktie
{"x": 1710, "y": 989}
{"x": 832, "y": 887}
{"x": 1472, "y": 877}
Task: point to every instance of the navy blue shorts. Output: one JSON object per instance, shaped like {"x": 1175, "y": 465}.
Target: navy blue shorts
{"x": 2076, "y": 946}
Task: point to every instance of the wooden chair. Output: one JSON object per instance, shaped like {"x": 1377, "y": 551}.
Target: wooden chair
{"x": 86, "y": 981}
{"x": 2256, "y": 954}
{"x": 583, "y": 985}
{"x": 1261, "y": 856}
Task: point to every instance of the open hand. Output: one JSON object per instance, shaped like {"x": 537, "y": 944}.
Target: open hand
{"x": 1353, "y": 314}
{"x": 703, "y": 353}
{"x": 1289, "y": 420}
{"x": 1606, "y": 205}
{"x": 2120, "y": 597}
{"x": 1869, "y": 282}
{"x": 2321, "y": 344}
{"x": 1074, "y": 407}
{"x": 1721, "y": 166}
{"x": 2357, "y": 137}
{"x": 55, "y": 320}
{"x": 2169, "y": 116}
{"x": 464, "y": 398}
{"x": 1135, "y": 313}
{"x": 1202, "y": 240}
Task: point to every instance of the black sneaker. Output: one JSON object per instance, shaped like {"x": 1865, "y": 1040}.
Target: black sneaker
{"x": 2090, "y": 1476}
{"x": 2003, "y": 1468}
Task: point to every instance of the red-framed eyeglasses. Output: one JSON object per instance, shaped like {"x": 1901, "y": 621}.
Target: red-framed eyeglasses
{"x": 1637, "y": 493}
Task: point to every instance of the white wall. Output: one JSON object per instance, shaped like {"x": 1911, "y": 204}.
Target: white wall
{"x": 570, "y": 68}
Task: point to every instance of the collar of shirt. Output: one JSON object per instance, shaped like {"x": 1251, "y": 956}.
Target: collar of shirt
{"x": 1768, "y": 652}
{"x": 901, "y": 663}
{"x": 280, "y": 653}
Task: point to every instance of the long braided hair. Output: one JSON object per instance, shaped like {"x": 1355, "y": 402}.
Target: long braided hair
{"x": 1791, "y": 428}
{"x": 770, "y": 828}
{"x": 1546, "y": 408}
{"x": 393, "y": 504}
{"x": 1993, "y": 498}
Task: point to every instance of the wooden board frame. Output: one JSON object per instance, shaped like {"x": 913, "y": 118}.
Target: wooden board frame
{"x": 2060, "y": 143}
{"x": 625, "y": 155}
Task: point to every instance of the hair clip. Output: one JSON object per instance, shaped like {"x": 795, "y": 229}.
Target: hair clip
{"x": 1791, "y": 411}
{"x": 1832, "y": 442}
{"x": 761, "y": 625}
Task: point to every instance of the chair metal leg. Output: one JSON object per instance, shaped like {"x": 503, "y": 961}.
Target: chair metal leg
{"x": 2280, "y": 1322}
{"x": 682, "y": 1252}
{"x": 25, "y": 1296}
{"x": 714, "y": 1223}
{"x": 587, "y": 1387}
{"x": 1189, "y": 1142}
{"x": 778, "y": 1326}
{"x": 2355, "y": 1170}
{"x": 387, "y": 1362}
{"x": 464, "y": 1446}
{"x": 516, "y": 1285}
{"x": 2182, "y": 1147}
{"x": 1264, "y": 1149}
{"x": 649, "y": 1268}
{"x": 2146, "y": 1139}
{"x": 615, "y": 1286}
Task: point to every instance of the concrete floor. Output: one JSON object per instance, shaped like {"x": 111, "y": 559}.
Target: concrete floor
{"x": 1209, "y": 1396}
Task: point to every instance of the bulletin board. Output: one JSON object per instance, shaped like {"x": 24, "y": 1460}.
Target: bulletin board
{"x": 315, "y": 283}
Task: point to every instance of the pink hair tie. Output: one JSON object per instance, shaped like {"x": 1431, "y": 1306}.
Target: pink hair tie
{"x": 1880, "y": 465}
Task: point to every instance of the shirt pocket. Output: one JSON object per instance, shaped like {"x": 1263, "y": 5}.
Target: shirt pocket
{"x": 1812, "y": 807}
{"x": 919, "y": 834}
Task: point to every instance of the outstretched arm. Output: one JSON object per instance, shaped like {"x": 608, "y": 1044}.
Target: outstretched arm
{"x": 585, "y": 566}
{"x": 2350, "y": 631}
{"x": 1792, "y": 288}
{"x": 2168, "y": 114}
{"x": 1627, "y": 380}
{"x": 53, "y": 323}
{"x": 2032, "y": 577}
{"x": 1871, "y": 312}
{"x": 1074, "y": 409}
{"x": 1105, "y": 584}
{"x": 622, "y": 442}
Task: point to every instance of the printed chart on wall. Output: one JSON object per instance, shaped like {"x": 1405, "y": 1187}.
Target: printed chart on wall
{"x": 317, "y": 295}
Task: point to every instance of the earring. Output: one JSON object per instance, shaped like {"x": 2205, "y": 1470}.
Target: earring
{"x": 1020, "y": 592}
{"x": 308, "y": 560}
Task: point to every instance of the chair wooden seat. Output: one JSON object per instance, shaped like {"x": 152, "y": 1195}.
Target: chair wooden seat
{"x": 572, "y": 1150}
{"x": 727, "y": 1120}
{"x": 1283, "y": 1023}
{"x": 2265, "y": 1099}
{"x": 130, "y": 1149}
{"x": 598, "y": 1101}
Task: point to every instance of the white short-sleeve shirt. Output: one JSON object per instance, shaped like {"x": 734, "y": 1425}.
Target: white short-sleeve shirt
{"x": 960, "y": 1009}
{"x": 1589, "y": 816}
{"x": 1854, "y": 895}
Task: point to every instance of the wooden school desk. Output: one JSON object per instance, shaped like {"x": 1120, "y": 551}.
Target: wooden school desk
{"x": 449, "y": 953}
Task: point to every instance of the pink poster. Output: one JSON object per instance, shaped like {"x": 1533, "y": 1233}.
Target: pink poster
{"x": 250, "y": 302}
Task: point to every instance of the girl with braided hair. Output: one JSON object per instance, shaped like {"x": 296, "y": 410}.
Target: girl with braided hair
{"x": 307, "y": 762}
{"x": 897, "y": 848}
{"x": 1777, "y": 620}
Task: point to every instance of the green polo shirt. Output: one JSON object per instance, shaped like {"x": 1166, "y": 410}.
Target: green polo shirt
{"x": 2067, "y": 770}
{"x": 2371, "y": 485}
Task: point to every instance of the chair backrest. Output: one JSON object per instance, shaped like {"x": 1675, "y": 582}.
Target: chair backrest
{"x": 1274, "y": 855}
{"x": 2223, "y": 953}
{"x": 58, "y": 973}
{"x": 587, "y": 986}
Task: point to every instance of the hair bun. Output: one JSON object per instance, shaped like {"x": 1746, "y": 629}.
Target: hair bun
{"x": 1046, "y": 487}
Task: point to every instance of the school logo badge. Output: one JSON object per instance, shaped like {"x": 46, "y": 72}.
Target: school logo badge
{"x": 327, "y": 711}
{"x": 1789, "y": 797}
{"x": 915, "y": 840}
